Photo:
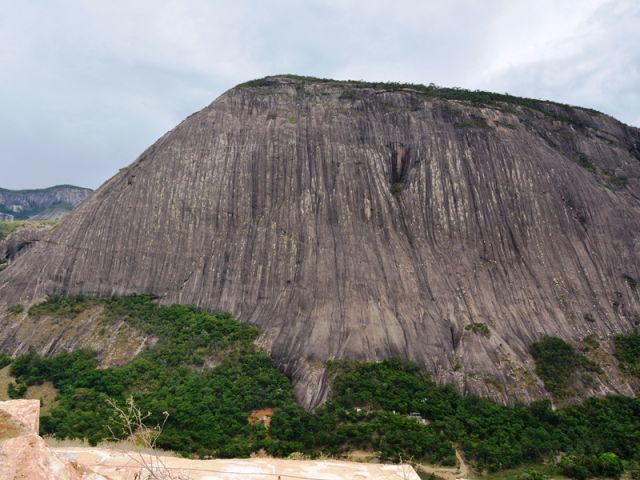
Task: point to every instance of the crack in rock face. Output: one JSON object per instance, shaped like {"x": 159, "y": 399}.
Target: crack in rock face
{"x": 277, "y": 203}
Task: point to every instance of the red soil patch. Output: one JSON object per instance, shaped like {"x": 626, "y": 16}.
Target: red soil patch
{"x": 258, "y": 416}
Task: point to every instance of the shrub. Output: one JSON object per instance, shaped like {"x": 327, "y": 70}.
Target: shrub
{"x": 616, "y": 180}
{"x": 16, "y": 309}
{"x": 61, "y": 306}
{"x": 477, "y": 123}
{"x": 585, "y": 163}
{"x": 590, "y": 342}
{"x": 557, "y": 362}
{"x": 396, "y": 188}
{"x": 4, "y": 360}
{"x": 627, "y": 351}
{"x": 577, "y": 467}
{"x": 609, "y": 465}
{"x": 631, "y": 282}
{"x": 16, "y": 391}
{"x": 532, "y": 475}
{"x": 479, "y": 328}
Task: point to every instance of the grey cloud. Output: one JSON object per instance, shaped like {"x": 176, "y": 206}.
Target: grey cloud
{"x": 86, "y": 86}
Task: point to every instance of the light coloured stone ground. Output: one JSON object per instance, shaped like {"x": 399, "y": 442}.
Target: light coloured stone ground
{"x": 120, "y": 465}
{"x": 27, "y": 412}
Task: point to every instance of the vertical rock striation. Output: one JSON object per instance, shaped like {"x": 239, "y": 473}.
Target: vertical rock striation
{"x": 360, "y": 222}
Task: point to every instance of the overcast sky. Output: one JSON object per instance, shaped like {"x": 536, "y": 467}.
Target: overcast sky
{"x": 86, "y": 85}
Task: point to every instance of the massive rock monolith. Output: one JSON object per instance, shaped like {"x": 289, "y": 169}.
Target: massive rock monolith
{"x": 355, "y": 221}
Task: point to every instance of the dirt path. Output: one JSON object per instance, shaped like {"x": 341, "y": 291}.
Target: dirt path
{"x": 448, "y": 473}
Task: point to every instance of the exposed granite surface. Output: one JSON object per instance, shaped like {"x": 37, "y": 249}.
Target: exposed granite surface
{"x": 275, "y": 203}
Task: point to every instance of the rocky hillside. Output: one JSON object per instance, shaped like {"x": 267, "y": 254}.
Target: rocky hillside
{"x": 350, "y": 220}
{"x": 41, "y": 204}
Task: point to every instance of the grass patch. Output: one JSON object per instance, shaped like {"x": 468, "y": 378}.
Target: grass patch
{"x": 7, "y": 228}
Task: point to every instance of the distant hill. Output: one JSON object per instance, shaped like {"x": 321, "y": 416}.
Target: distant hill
{"x": 41, "y": 204}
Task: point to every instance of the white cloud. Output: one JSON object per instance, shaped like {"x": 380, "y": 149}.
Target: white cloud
{"x": 85, "y": 86}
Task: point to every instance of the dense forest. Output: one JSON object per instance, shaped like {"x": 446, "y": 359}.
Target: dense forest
{"x": 207, "y": 373}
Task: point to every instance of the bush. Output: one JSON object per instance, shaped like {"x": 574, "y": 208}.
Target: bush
{"x": 585, "y": 163}
{"x": 557, "y": 362}
{"x": 4, "y": 360}
{"x": 609, "y": 465}
{"x": 628, "y": 352}
{"x": 479, "y": 328}
{"x": 631, "y": 282}
{"x": 396, "y": 188}
{"x": 16, "y": 309}
{"x": 16, "y": 391}
{"x": 476, "y": 123}
{"x": 532, "y": 475}
{"x": 61, "y": 306}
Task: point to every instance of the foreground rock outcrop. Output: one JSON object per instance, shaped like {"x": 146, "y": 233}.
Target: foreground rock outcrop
{"x": 23, "y": 453}
{"x": 354, "y": 221}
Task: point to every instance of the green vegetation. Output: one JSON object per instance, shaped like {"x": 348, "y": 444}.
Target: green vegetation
{"x": 631, "y": 282}
{"x": 609, "y": 175}
{"x": 501, "y": 100}
{"x": 63, "y": 306}
{"x": 472, "y": 123}
{"x": 16, "y": 390}
{"x": 7, "y": 228}
{"x": 4, "y": 360}
{"x": 16, "y": 309}
{"x": 558, "y": 363}
{"x": 207, "y": 373}
{"x": 585, "y": 163}
{"x": 628, "y": 352}
{"x": 580, "y": 467}
{"x": 479, "y": 328}
{"x": 590, "y": 342}
{"x": 492, "y": 436}
{"x": 538, "y": 471}
{"x": 616, "y": 180}
{"x": 396, "y": 188}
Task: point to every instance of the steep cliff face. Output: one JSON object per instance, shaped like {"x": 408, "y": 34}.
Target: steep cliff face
{"x": 353, "y": 221}
{"x": 42, "y": 204}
